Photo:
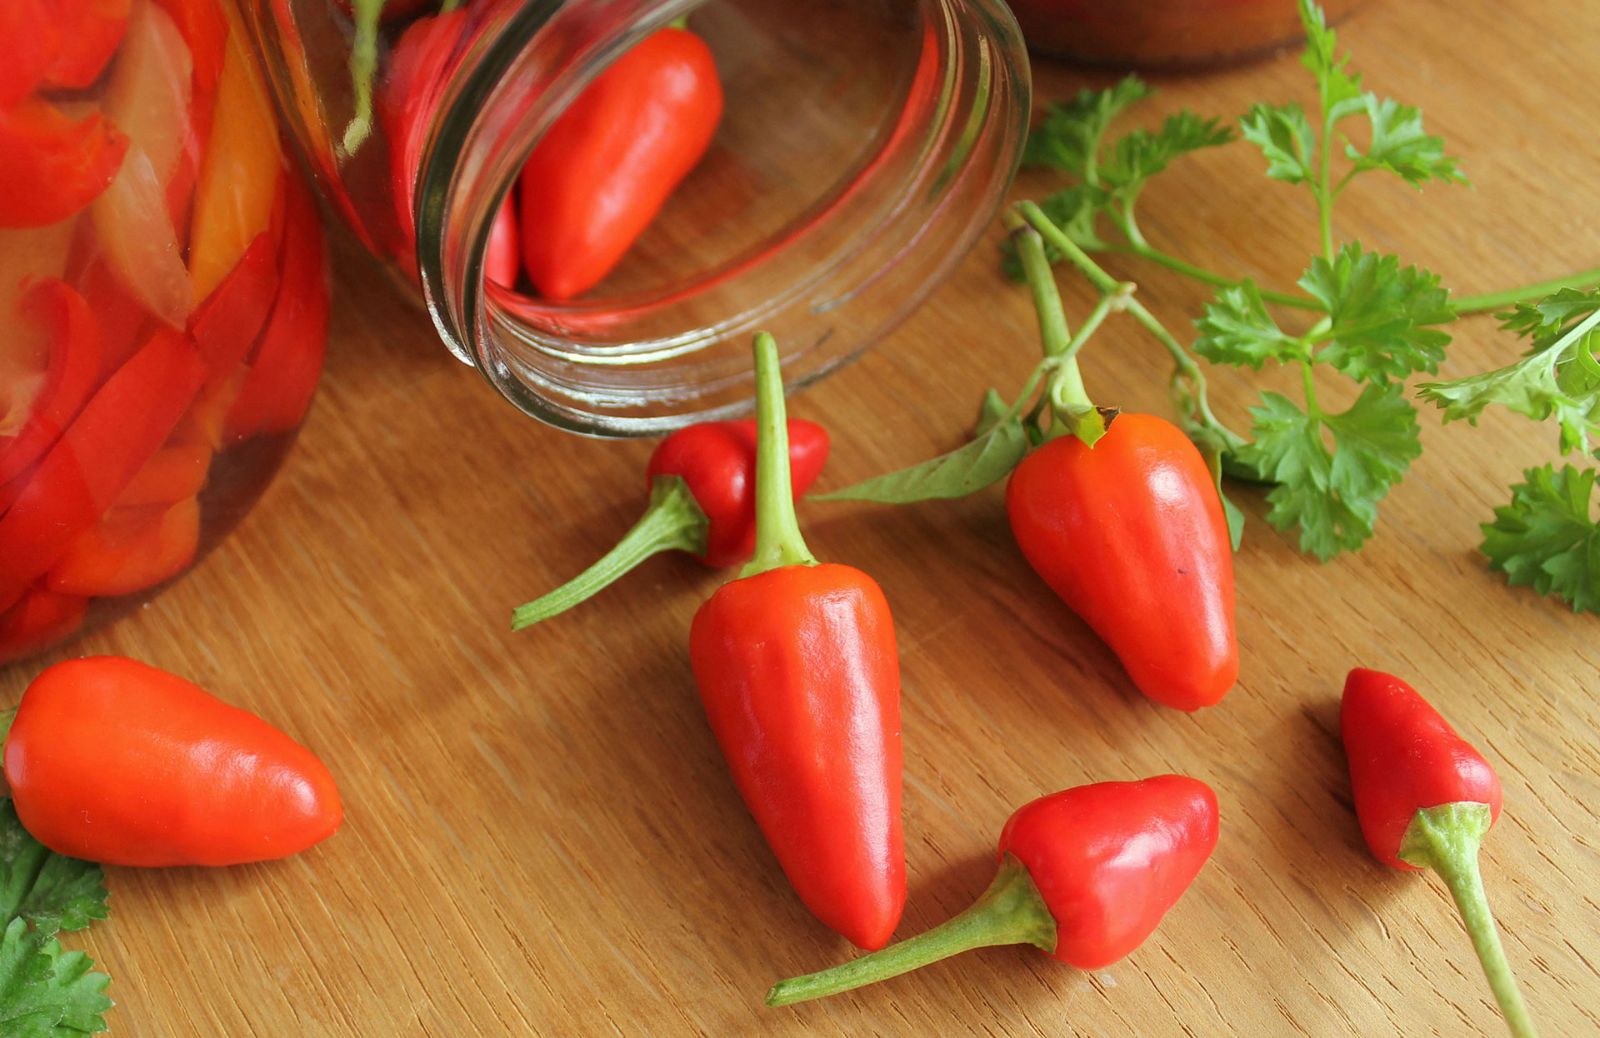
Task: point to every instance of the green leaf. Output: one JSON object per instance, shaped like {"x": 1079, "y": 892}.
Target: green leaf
{"x": 1401, "y": 146}
{"x": 1558, "y": 378}
{"x": 1383, "y": 315}
{"x": 1070, "y": 135}
{"x": 993, "y": 408}
{"x": 1332, "y": 497}
{"x": 1339, "y": 89}
{"x": 1213, "y": 454}
{"x": 1548, "y": 318}
{"x": 1140, "y": 155}
{"x": 1547, "y": 538}
{"x": 48, "y": 890}
{"x": 45, "y": 992}
{"x": 963, "y": 471}
{"x": 1285, "y": 138}
{"x": 1236, "y": 329}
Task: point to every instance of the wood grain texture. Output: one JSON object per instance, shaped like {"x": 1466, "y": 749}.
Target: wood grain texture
{"x": 542, "y": 838}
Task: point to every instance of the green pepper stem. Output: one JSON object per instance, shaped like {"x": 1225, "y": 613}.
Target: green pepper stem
{"x": 673, "y": 521}
{"x": 778, "y": 539}
{"x": 1011, "y": 911}
{"x": 1446, "y": 839}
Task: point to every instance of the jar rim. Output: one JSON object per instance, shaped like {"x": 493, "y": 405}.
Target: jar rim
{"x": 892, "y": 233}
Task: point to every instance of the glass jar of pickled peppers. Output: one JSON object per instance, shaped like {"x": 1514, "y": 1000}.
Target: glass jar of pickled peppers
{"x": 810, "y": 169}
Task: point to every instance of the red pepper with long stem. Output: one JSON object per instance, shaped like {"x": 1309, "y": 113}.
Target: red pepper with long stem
{"x": 1121, "y": 517}
{"x": 702, "y": 501}
{"x": 1425, "y": 799}
{"x": 600, "y": 175}
{"x": 114, "y": 761}
{"x": 800, "y": 679}
{"x": 1085, "y": 875}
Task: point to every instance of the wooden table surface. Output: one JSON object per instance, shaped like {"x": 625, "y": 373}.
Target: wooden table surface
{"x": 542, "y": 837}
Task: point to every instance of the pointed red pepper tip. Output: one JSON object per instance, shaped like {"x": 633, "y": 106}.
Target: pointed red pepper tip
{"x": 1405, "y": 757}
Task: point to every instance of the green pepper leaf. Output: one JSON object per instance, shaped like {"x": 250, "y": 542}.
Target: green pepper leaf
{"x": 1547, "y": 537}
{"x": 963, "y": 471}
{"x": 1384, "y": 316}
{"x": 46, "y": 992}
{"x": 48, "y": 890}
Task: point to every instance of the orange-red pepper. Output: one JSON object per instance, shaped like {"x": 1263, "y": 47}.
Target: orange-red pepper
{"x": 1085, "y": 875}
{"x": 115, "y": 761}
{"x": 800, "y": 678}
{"x": 51, "y": 165}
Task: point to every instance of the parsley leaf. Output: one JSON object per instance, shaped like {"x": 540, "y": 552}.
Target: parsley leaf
{"x": 1332, "y": 497}
{"x": 1559, "y": 376}
{"x": 48, "y": 890}
{"x": 1546, "y": 537}
{"x": 1382, "y": 315}
{"x": 1236, "y": 329}
{"x": 1400, "y": 145}
{"x": 1339, "y": 89}
{"x": 1285, "y": 137}
{"x": 1141, "y": 154}
{"x": 1070, "y": 137}
{"x": 45, "y": 992}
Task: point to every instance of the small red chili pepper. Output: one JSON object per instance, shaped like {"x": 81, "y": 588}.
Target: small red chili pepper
{"x": 115, "y": 761}
{"x": 600, "y": 175}
{"x": 1425, "y": 799}
{"x": 1085, "y": 875}
{"x": 800, "y": 678}
{"x": 702, "y": 500}
{"x": 72, "y": 373}
{"x": 1121, "y": 517}
{"x": 51, "y": 166}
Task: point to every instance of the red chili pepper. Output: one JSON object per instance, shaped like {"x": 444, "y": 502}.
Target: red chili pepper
{"x": 118, "y": 431}
{"x": 133, "y": 548}
{"x": 800, "y": 678}
{"x": 52, "y": 166}
{"x": 90, "y": 32}
{"x": 600, "y": 175}
{"x": 70, "y": 378}
{"x": 115, "y": 761}
{"x": 42, "y": 618}
{"x": 1425, "y": 799}
{"x": 282, "y": 377}
{"x": 1085, "y": 875}
{"x": 1130, "y": 533}
{"x": 701, "y": 481}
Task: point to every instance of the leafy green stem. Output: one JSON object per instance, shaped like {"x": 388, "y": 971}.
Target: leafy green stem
{"x": 1523, "y": 293}
{"x": 1211, "y": 277}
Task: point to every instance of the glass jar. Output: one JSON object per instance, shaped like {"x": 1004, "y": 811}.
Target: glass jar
{"x": 861, "y": 148}
{"x": 163, "y": 302}
{"x": 1157, "y": 34}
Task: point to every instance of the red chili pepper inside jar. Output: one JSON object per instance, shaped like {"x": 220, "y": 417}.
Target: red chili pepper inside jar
{"x": 163, "y": 302}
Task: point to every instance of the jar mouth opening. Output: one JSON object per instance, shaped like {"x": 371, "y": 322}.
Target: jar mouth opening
{"x": 898, "y": 191}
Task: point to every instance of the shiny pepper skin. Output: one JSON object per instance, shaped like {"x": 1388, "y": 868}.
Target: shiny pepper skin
{"x": 718, "y": 461}
{"x": 800, "y": 679}
{"x": 1110, "y": 859}
{"x": 1131, "y": 535}
{"x": 1405, "y": 757}
{"x": 114, "y": 761}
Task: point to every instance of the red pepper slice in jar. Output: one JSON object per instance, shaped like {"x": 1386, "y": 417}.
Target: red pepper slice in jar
{"x": 121, "y": 427}
{"x": 228, "y": 323}
{"x": 173, "y": 474}
{"x": 51, "y": 165}
{"x": 43, "y": 617}
{"x": 90, "y": 30}
{"x": 131, "y": 549}
{"x": 31, "y": 21}
{"x": 282, "y": 377}
{"x": 73, "y": 372}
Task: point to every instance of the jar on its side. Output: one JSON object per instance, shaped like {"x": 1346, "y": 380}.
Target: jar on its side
{"x": 163, "y": 303}
{"x": 861, "y": 148}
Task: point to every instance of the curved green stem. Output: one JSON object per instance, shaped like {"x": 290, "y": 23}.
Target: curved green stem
{"x": 1069, "y": 399}
{"x": 1510, "y": 296}
{"x": 1446, "y": 839}
{"x": 1009, "y": 912}
{"x": 673, "y": 521}
{"x": 1211, "y": 277}
{"x": 778, "y": 539}
{"x": 1054, "y": 335}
